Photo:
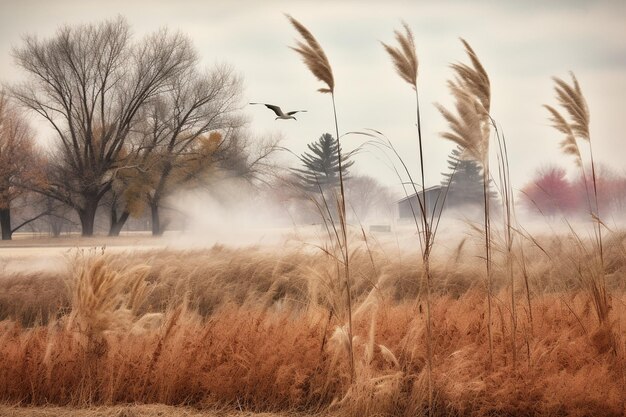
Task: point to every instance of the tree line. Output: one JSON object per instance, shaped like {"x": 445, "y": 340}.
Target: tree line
{"x": 133, "y": 121}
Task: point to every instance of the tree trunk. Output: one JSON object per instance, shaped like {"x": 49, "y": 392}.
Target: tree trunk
{"x": 117, "y": 223}
{"x": 156, "y": 222}
{"x": 87, "y": 217}
{"x": 5, "y": 223}
{"x": 55, "y": 228}
{"x": 157, "y": 230}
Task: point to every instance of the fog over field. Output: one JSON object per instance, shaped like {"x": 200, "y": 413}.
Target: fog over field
{"x": 521, "y": 44}
{"x": 339, "y": 208}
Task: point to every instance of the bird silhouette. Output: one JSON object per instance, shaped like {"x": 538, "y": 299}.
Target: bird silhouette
{"x": 280, "y": 113}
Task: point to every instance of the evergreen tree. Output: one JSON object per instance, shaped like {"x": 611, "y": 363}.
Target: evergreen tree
{"x": 320, "y": 170}
{"x": 464, "y": 179}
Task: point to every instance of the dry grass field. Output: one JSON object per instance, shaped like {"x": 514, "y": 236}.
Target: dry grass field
{"x": 490, "y": 319}
{"x": 263, "y": 329}
{"x": 124, "y": 411}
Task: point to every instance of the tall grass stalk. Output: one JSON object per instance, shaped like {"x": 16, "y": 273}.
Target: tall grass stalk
{"x": 316, "y": 61}
{"x": 508, "y": 211}
{"x": 470, "y": 128}
{"x": 572, "y": 101}
{"x": 404, "y": 58}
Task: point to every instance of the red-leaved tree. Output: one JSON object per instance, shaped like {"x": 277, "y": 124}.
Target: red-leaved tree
{"x": 611, "y": 189}
{"x": 551, "y": 193}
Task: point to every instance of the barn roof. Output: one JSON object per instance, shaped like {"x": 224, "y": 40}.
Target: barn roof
{"x": 427, "y": 190}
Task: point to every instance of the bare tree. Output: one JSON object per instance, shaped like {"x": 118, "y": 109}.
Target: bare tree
{"x": 188, "y": 130}
{"x": 90, "y": 83}
{"x": 209, "y": 160}
{"x": 369, "y": 198}
{"x": 18, "y": 164}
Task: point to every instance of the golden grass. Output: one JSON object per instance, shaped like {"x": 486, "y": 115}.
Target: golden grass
{"x": 251, "y": 329}
{"x": 469, "y": 127}
{"x": 313, "y": 56}
{"x": 572, "y": 100}
{"x": 475, "y": 78}
{"x": 568, "y": 144}
{"x": 404, "y": 57}
{"x": 316, "y": 61}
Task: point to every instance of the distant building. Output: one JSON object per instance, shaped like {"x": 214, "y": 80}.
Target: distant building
{"x": 410, "y": 205}
{"x": 452, "y": 197}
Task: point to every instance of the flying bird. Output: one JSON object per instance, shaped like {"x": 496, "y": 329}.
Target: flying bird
{"x": 279, "y": 112}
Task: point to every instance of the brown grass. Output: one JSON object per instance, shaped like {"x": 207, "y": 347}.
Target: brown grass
{"x": 269, "y": 344}
{"x": 404, "y": 58}
{"x": 572, "y": 101}
{"x": 316, "y": 61}
{"x": 470, "y": 128}
{"x": 151, "y": 410}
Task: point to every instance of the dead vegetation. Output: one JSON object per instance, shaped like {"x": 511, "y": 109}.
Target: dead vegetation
{"x": 258, "y": 331}
{"x": 134, "y": 410}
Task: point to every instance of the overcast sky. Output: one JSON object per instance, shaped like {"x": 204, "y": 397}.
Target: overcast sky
{"x": 521, "y": 44}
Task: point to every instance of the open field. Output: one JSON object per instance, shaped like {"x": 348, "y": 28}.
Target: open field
{"x": 124, "y": 411}
{"x": 263, "y": 330}
{"x": 373, "y": 271}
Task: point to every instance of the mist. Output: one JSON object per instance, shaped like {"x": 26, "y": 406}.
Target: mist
{"x": 239, "y": 213}
{"x": 233, "y": 212}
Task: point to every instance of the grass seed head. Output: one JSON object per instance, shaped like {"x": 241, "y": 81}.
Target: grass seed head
{"x": 313, "y": 56}
{"x": 404, "y": 57}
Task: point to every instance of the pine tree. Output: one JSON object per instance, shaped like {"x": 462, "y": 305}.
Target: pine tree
{"x": 320, "y": 170}
{"x": 464, "y": 180}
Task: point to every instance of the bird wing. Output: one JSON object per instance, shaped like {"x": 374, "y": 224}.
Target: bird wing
{"x": 294, "y": 112}
{"x": 273, "y": 108}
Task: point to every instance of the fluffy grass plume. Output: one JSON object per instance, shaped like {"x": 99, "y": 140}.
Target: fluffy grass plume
{"x": 103, "y": 298}
{"x": 465, "y": 127}
{"x": 572, "y": 100}
{"x": 568, "y": 144}
{"x": 404, "y": 57}
{"x": 474, "y": 78}
{"x": 313, "y": 56}
{"x": 471, "y": 89}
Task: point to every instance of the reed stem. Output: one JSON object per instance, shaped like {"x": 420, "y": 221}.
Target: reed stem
{"x": 344, "y": 245}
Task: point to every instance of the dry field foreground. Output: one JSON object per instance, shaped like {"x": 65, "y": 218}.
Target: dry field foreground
{"x": 154, "y": 410}
{"x": 263, "y": 330}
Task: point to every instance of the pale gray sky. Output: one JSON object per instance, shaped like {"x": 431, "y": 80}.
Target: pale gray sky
{"x": 521, "y": 44}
